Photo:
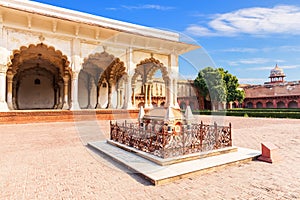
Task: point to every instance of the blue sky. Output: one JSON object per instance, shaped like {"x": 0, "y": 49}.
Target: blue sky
{"x": 246, "y": 37}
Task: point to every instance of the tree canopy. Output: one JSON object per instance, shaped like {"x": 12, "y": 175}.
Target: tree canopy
{"x": 210, "y": 83}
{"x": 232, "y": 83}
{"x": 219, "y": 85}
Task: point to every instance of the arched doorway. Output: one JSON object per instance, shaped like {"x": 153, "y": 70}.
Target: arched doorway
{"x": 38, "y": 78}
{"x": 114, "y": 77}
{"x": 92, "y": 68}
{"x": 280, "y": 104}
{"x": 36, "y": 89}
{"x": 84, "y": 87}
{"x": 259, "y": 105}
{"x": 293, "y": 104}
{"x": 249, "y": 105}
{"x": 269, "y": 104}
{"x": 101, "y": 82}
{"x": 143, "y": 76}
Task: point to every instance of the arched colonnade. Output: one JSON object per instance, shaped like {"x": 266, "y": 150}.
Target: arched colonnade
{"x": 41, "y": 77}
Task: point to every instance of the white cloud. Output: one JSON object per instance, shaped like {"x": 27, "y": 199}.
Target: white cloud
{"x": 148, "y": 6}
{"x": 289, "y": 48}
{"x": 272, "y": 67}
{"x": 239, "y": 50}
{"x": 249, "y": 61}
{"x": 285, "y": 48}
{"x": 111, "y": 8}
{"x": 290, "y": 66}
{"x": 257, "y": 21}
{"x": 260, "y": 68}
{"x": 199, "y": 31}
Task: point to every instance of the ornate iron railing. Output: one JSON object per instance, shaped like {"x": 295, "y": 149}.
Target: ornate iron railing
{"x": 157, "y": 140}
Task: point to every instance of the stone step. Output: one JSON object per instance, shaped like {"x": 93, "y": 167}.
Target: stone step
{"x": 173, "y": 160}
{"x": 36, "y": 116}
{"x": 158, "y": 174}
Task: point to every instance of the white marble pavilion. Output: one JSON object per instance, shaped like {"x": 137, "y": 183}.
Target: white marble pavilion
{"x": 55, "y": 58}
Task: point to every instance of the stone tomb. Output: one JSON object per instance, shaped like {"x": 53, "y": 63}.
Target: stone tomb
{"x": 164, "y": 145}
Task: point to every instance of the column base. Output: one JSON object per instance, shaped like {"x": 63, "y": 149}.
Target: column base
{"x": 109, "y": 106}
{"x": 3, "y": 107}
{"x": 65, "y": 106}
{"x": 168, "y": 105}
{"x": 59, "y": 106}
{"x": 10, "y": 106}
{"x": 176, "y": 105}
{"x": 98, "y": 106}
{"x": 75, "y": 106}
{"x": 128, "y": 106}
{"x": 149, "y": 106}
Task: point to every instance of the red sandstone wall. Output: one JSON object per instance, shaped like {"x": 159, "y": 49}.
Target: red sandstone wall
{"x": 16, "y": 117}
{"x": 274, "y": 90}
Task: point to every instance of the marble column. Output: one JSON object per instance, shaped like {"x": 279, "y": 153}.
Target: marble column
{"x": 4, "y": 62}
{"x": 60, "y": 95}
{"x": 98, "y": 105}
{"x": 109, "y": 103}
{"x": 133, "y": 96}
{"x": 170, "y": 91}
{"x": 91, "y": 89}
{"x": 146, "y": 95}
{"x": 66, "y": 92}
{"x": 15, "y": 107}
{"x": 56, "y": 98}
{"x": 3, "y": 104}
{"x": 129, "y": 101}
{"x": 9, "y": 77}
{"x": 121, "y": 98}
{"x": 175, "y": 90}
{"x": 173, "y": 74}
{"x": 128, "y": 94}
{"x": 74, "y": 91}
{"x": 167, "y": 101}
{"x": 118, "y": 98}
{"x": 150, "y": 96}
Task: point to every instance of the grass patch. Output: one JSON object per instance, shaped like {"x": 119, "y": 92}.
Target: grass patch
{"x": 267, "y": 113}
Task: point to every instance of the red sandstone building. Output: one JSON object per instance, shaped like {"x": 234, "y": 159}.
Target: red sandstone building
{"x": 274, "y": 94}
{"x": 186, "y": 94}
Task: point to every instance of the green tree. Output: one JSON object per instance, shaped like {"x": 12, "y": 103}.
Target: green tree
{"x": 232, "y": 83}
{"x": 219, "y": 85}
{"x": 210, "y": 83}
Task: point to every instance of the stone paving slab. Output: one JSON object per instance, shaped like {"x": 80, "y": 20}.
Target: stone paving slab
{"x": 51, "y": 161}
{"x": 158, "y": 174}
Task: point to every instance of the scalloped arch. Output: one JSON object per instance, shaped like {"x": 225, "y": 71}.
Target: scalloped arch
{"x": 113, "y": 72}
{"x": 147, "y": 74}
{"x": 39, "y": 51}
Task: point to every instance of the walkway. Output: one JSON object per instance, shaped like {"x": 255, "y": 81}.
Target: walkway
{"x": 48, "y": 161}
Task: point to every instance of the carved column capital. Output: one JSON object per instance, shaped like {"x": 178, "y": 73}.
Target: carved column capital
{"x": 9, "y": 76}
{"x": 3, "y": 68}
{"x": 75, "y": 75}
{"x": 66, "y": 78}
{"x": 4, "y": 59}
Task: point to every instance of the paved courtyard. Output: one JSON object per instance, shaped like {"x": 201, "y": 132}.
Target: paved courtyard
{"x": 51, "y": 161}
